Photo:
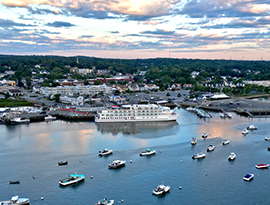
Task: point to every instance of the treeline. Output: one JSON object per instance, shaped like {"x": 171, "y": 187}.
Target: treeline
{"x": 164, "y": 69}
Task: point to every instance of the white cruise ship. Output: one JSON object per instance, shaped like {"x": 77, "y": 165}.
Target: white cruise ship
{"x": 136, "y": 113}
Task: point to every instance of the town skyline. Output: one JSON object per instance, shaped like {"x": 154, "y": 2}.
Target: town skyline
{"x": 206, "y": 29}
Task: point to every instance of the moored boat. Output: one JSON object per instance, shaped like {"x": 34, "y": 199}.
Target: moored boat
{"x": 49, "y": 118}
{"x": 225, "y": 142}
{"x": 232, "y": 156}
{"x": 198, "y": 156}
{"x": 105, "y": 152}
{"x": 248, "y": 177}
{"x": 15, "y": 200}
{"x": 267, "y": 138}
{"x": 116, "y": 164}
{"x": 73, "y": 178}
{"x": 252, "y": 127}
{"x": 148, "y": 152}
{"x": 19, "y": 120}
{"x": 262, "y": 166}
{"x": 245, "y": 132}
{"x": 210, "y": 148}
{"x": 14, "y": 182}
{"x": 105, "y": 202}
{"x": 62, "y": 163}
{"x": 204, "y": 135}
{"x": 161, "y": 189}
{"x": 193, "y": 141}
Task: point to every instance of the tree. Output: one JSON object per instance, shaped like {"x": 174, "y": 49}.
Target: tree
{"x": 57, "y": 97}
{"x": 97, "y": 82}
{"x": 28, "y": 81}
{"x": 179, "y": 95}
{"x": 86, "y": 82}
{"x": 7, "y": 95}
{"x": 168, "y": 94}
{"x": 55, "y": 84}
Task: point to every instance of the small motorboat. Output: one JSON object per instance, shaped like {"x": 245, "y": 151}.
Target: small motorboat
{"x": 14, "y": 182}
{"x": 161, "y": 189}
{"x": 116, "y": 164}
{"x": 19, "y": 120}
{"x": 210, "y": 148}
{"x": 105, "y": 152}
{"x": 248, "y": 177}
{"x": 73, "y": 178}
{"x": 245, "y": 132}
{"x": 228, "y": 115}
{"x": 267, "y": 138}
{"x": 262, "y": 166}
{"x": 252, "y": 127}
{"x": 204, "y": 135}
{"x": 225, "y": 142}
{"x": 105, "y": 202}
{"x": 222, "y": 115}
{"x": 147, "y": 152}
{"x": 62, "y": 163}
{"x": 198, "y": 156}
{"x": 49, "y": 118}
{"x": 231, "y": 156}
{"x": 16, "y": 201}
{"x": 193, "y": 141}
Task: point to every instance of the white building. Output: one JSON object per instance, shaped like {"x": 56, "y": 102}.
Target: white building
{"x": 80, "y": 90}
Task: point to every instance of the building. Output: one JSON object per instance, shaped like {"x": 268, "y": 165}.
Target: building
{"x": 15, "y": 92}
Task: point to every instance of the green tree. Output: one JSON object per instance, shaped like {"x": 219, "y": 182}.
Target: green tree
{"x": 57, "y": 97}
{"x": 97, "y": 82}
{"x": 28, "y": 81}
{"x": 179, "y": 95}
{"x": 86, "y": 82}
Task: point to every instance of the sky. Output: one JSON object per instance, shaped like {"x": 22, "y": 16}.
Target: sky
{"x": 130, "y": 29}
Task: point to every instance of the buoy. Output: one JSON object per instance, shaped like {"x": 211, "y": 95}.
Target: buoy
{"x": 42, "y": 198}
{"x": 80, "y": 160}
{"x": 180, "y": 160}
{"x": 205, "y": 174}
{"x": 160, "y": 151}
{"x": 180, "y": 187}
{"x": 91, "y": 177}
{"x": 130, "y": 161}
{"x": 34, "y": 177}
{"x": 122, "y": 200}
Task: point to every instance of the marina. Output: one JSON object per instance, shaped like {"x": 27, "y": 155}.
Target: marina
{"x": 38, "y": 147}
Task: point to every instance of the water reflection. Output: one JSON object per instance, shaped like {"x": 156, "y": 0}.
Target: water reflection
{"x": 130, "y": 128}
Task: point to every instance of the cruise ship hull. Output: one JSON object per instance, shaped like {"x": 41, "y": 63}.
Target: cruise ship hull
{"x": 158, "y": 119}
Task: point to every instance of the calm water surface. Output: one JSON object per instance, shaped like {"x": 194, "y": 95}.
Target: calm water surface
{"x": 35, "y": 149}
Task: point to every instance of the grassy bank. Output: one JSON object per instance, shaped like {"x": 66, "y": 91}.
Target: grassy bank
{"x": 14, "y": 103}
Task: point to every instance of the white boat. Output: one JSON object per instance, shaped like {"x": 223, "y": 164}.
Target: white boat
{"x": 248, "y": 177}
{"x": 136, "y": 113}
{"x": 15, "y": 200}
{"x": 252, "y": 127}
{"x": 204, "y": 135}
{"x": 267, "y": 138}
{"x": 105, "y": 152}
{"x": 198, "y": 156}
{"x": 148, "y": 152}
{"x": 225, "y": 142}
{"x": 105, "y": 202}
{"x": 49, "y": 118}
{"x": 161, "y": 189}
{"x": 245, "y": 132}
{"x": 193, "y": 141}
{"x": 231, "y": 156}
{"x": 210, "y": 148}
{"x": 116, "y": 164}
{"x": 19, "y": 120}
{"x": 73, "y": 178}
{"x": 262, "y": 166}
{"x": 222, "y": 115}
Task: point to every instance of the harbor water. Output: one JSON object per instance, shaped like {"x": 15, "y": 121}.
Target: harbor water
{"x": 30, "y": 153}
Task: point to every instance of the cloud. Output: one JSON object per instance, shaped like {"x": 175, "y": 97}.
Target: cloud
{"x": 98, "y": 9}
{"x": 87, "y": 36}
{"x": 159, "y": 32}
{"x": 114, "y": 32}
{"x": 59, "y": 24}
{"x": 5, "y": 23}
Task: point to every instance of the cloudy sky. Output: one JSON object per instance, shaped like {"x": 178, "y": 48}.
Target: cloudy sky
{"x": 207, "y": 29}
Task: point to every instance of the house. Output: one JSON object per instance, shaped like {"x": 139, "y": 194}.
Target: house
{"x": 194, "y": 74}
{"x": 187, "y": 86}
{"x": 120, "y": 88}
{"x": 176, "y": 86}
{"x": 152, "y": 87}
{"x": 75, "y": 101}
{"x": 133, "y": 87}
{"x": 15, "y": 92}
